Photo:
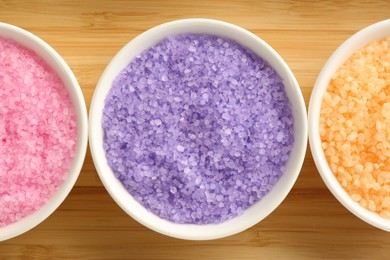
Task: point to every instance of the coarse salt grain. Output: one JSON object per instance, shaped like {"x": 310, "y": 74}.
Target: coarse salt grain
{"x": 225, "y": 135}
{"x": 37, "y": 132}
{"x": 355, "y": 126}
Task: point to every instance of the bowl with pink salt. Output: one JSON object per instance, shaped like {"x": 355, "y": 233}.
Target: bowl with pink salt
{"x": 349, "y": 124}
{"x": 43, "y": 130}
{"x": 199, "y": 129}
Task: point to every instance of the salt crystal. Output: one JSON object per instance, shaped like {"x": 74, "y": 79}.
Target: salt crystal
{"x": 180, "y": 148}
{"x": 226, "y": 116}
{"x": 193, "y": 95}
{"x": 280, "y": 136}
{"x": 192, "y": 49}
{"x": 173, "y": 190}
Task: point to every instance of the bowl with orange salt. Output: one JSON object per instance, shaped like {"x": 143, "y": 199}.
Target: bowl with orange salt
{"x": 349, "y": 124}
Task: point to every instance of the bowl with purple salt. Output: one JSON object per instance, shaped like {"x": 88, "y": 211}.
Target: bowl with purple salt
{"x": 43, "y": 130}
{"x": 198, "y": 129}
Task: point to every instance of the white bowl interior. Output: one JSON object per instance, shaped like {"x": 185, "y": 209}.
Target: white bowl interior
{"x": 354, "y": 43}
{"x": 259, "y": 210}
{"x": 54, "y": 60}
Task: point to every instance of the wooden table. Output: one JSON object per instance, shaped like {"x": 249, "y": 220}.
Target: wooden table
{"x": 310, "y": 223}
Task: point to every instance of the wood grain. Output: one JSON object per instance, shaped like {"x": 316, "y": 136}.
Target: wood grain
{"x": 309, "y": 224}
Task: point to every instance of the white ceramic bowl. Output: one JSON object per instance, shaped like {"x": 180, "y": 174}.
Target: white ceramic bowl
{"x": 376, "y": 31}
{"x": 259, "y": 210}
{"x": 54, "y": 60}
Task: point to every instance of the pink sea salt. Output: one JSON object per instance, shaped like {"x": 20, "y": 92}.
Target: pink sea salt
{"x": 37, "y": 132}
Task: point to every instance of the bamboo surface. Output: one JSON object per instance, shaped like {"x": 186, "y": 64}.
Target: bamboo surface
{"x": 309, "y": 224}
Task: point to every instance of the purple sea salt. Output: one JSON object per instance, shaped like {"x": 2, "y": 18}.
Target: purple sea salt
{"x": 197, "y": 128}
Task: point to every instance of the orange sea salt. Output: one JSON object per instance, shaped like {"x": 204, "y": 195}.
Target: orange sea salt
{"x": 355, "y": 126}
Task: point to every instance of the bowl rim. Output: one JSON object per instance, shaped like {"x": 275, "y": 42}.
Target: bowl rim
{"x": 104, "y": 171}
{"x": 51, "y": 57}
{"x": 355, "y": 42}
